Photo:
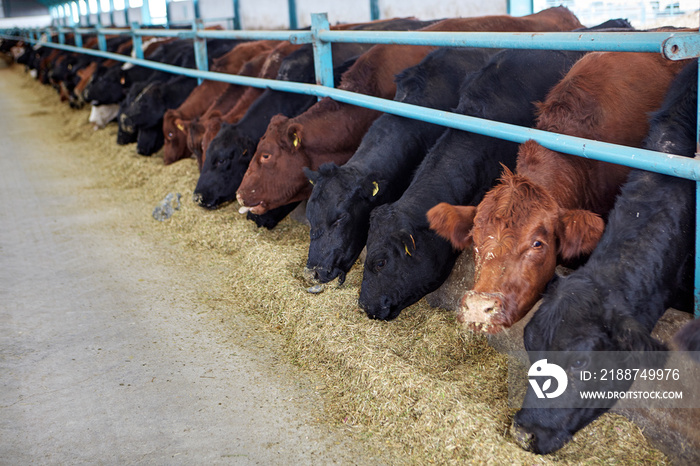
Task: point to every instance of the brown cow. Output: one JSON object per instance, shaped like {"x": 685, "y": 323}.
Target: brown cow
{"x": 551, "y": 210}
{"x": 201, "y": 98}
{"x": 331, "y": 132}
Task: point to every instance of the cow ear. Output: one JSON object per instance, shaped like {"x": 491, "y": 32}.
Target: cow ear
{"x": 630, "y": 335}
{"x": 180, "y": 125}
{"x": 454, "y": 223}
{"x": 371, "y": 189}
{"x": 311, "y": 175}
{"x": 294, "y": 134}
{"x": 579, "y": 232}
{"x": 408, "y": 242}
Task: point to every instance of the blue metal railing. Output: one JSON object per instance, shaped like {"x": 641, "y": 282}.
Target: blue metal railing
{"x": 673, "y": 45}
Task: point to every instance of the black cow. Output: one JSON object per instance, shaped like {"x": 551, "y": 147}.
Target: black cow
{"x": 405, "y": 259}
{"x": 230, "y": 151}
{"x": 148, "y": 108}
{"x": 381, "y": 169}
{"x": 642, "y": 265}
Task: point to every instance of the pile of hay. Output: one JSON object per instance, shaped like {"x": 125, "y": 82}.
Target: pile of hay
{"x": 417, "y": 386}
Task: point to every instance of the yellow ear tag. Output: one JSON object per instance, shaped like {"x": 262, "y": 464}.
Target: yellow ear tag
{"x": 406, "y": 248}
{"x": 311, "y": 181}
{"x": 414, "y": 241}
{"x": 296, "y": 140}
{"x": 376, "y": 188}
{"x": 180, "y": 127}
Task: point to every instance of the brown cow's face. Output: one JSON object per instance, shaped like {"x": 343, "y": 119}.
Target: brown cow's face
{"x": 518, "y": 232}
{"x": 515, "y": 251}
{"x": 175, "y": 137}
{"x": 275, "y": 175}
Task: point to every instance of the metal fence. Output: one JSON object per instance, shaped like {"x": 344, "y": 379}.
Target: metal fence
{"x": 673, "y": 45}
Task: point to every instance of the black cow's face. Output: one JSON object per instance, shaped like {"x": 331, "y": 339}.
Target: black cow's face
{"x": 105, "y": 87}
{"x": 577, "y": 325}
{"x": 226, "y": 162}
{"x": 149, "y": 140}
{"x": 338, "y": 212}
{"x": 146, "y": 108}
{"x": 404, "y": 263}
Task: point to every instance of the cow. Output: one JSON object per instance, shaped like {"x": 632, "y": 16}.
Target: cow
{"x": 275, "y": 176}
{"x": 405, "y": 259}
{"x": 230, "y": 151}
{"x": 200, "y": 99}
{"x": 552, "y": 209}
{"x": 642, "y": 265}
{"x": 380, "y": 170}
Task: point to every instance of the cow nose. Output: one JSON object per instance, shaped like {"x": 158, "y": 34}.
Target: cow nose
{"x": 522, "y": 437}
{"x": 310, "y": 275}
{"x": 197, "y": 198}
{"x": 479, "y": 307}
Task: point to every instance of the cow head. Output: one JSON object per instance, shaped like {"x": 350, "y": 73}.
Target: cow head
{"x": 518, "y": 231}
{"x": 228, "y": 156}
{"x": 338, "y": 212}
{"x": 149, "y": 140}
{"x": 578, "y": 326}
{"x": 275, "y": 177}
{"x": 147, "y": 108}
{"x": 174, "y": 137}
{"x": 405, "y": 261}
{"x": 105, "y": 87}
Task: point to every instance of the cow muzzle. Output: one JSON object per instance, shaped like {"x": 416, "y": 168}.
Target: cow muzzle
{"x": 478, "y": 310}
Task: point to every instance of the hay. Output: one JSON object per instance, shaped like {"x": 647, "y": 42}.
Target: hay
{"x": 418, "y": 387}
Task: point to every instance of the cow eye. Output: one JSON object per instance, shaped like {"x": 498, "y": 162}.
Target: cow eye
{"x": 379, "y": 265}
{"x": 265, "y": 156}
{"x": 170, "y": 135}
{"x": 579, "y": 363}
{"x": 340, "y": 219}
{"x": 537, "y": 244}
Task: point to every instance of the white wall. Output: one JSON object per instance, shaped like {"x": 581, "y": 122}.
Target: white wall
{"x": 274, "y": 14}
{"x": 26, "y": 22}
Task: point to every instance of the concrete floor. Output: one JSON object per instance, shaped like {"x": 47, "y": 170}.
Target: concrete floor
{"x": 103, "y": 360}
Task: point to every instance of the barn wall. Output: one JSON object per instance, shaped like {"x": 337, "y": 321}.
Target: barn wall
{"x": 274, "y": 14}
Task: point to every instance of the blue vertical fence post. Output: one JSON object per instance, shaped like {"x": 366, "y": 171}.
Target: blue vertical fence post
{"x": 78, "y": 37}
{"x": 137, "y": 43}
{"x": 111, "y": 13}
{"x": 99, "y": 12}
{"x": 236, "y": 15}
{"x": 323, "y": 58}
{"x": 61, "y": 36}
{"x": 195, "y": 6}
{"x": 200, "y": 48}
{"x": 374, "y": 9}
{"x": 292, "y": 14}
{"x": 168, "y": 19}
{"x": 126, "y": 12}
{"x": 146, "y": 13}
{"x": 101, "y": 39}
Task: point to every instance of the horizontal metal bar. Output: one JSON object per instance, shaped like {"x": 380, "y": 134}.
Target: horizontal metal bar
{"x": 674, "y": 45}
{"x": 603, "y": 41}
{"x": 667, "y": 164}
